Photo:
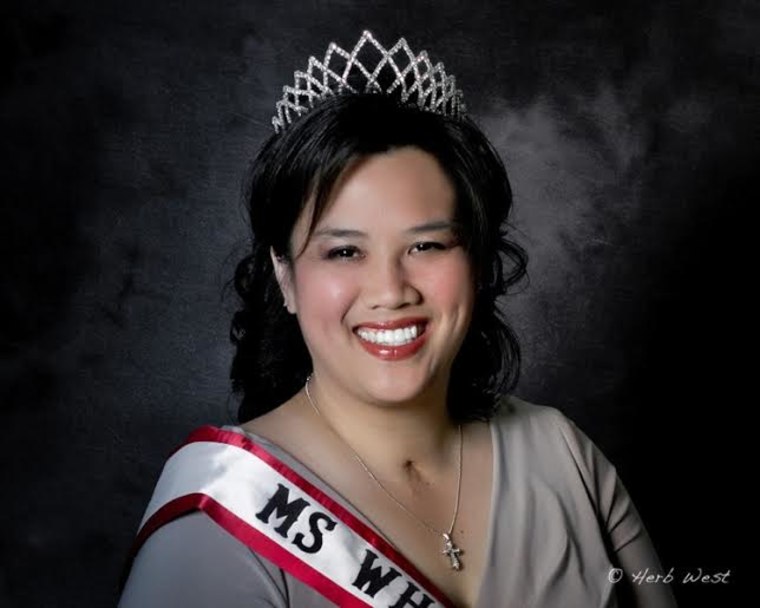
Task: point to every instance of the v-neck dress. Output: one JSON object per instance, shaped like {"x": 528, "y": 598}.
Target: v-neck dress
{"x": 561, "y": 524}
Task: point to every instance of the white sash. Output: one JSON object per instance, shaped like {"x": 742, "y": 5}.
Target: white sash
{"x": 283, "y": 517}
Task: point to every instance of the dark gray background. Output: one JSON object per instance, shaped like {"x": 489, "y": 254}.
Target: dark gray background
{"x": 629, "y": 130}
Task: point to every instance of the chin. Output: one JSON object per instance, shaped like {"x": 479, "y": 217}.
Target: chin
{"x": 397, "y": 386}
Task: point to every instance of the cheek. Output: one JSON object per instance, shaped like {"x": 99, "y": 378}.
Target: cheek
{"x": 323, "y": 295}
{"x": 451, "y": 283}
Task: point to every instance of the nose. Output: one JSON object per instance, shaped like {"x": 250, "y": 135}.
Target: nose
{"x": 388, "y": 284}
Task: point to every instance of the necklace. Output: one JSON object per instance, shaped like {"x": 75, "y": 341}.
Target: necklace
{"x": 449, "y": 547}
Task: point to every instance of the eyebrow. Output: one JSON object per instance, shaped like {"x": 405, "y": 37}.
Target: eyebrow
{"x": 434, "y": 226}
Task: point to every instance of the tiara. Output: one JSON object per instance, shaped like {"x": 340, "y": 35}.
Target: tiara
{"x": 414, "y": 76}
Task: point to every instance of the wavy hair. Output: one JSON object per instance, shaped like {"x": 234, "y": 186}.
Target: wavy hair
{"x": 305, "y": 161}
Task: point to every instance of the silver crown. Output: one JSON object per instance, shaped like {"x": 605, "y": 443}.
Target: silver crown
{"x": 415, "y": 76}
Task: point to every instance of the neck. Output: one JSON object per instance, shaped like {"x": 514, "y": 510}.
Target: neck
{"x": 399, "y": 441}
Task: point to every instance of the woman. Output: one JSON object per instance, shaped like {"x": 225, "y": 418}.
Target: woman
{"x": 382, "y": 461}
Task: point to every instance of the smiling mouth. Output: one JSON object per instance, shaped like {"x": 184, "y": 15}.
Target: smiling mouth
{"x": 392, "y": 337}
{"x": 393, "y": 345}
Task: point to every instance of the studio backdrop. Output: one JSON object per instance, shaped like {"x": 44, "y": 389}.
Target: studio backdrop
{"x": 629, "y": 132}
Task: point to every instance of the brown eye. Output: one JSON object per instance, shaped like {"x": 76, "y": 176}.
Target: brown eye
{"x": 429, "y": 245}
{"x": 345, "y": 253}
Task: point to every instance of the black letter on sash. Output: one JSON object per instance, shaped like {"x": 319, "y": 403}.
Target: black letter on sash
{"x": 406, "y": 598}
{"x": 316, "y": 532}
{"x": 373, "y": 578}
{"x": 289, "y": 510}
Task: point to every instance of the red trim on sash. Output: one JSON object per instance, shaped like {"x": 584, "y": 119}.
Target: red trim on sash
{"x": 264, "y": 545}
{"x": 252, "y": 538}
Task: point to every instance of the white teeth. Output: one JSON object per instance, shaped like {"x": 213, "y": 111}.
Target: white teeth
{"x": 390, "y": 337}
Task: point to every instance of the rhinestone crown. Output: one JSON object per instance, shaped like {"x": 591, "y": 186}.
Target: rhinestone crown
{"x": 414, "y": 76}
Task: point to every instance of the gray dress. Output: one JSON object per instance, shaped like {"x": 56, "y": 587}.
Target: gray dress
{"x": 561, "y": 521}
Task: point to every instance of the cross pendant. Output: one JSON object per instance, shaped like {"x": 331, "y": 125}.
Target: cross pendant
{"x": 452, "y": 551}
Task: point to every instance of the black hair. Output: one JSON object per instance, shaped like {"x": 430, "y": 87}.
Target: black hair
{"x": 272, "y": 362}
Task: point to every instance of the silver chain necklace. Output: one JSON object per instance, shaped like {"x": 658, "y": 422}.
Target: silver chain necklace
{"x": 449, "y": 548}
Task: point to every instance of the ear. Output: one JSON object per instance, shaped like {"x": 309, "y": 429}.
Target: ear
{"x": 283, "y": 273}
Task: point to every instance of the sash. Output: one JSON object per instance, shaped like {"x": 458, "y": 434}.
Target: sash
{"x": 284, "y": 518}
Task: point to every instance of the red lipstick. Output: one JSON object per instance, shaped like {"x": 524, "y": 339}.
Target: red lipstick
{"x": 388, "y": 352}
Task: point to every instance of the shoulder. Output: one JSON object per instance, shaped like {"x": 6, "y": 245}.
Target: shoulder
{"x": 548, "y": 443}
{"x": 516, "y": 416}
{"x": 553, "y": 444}
{"x": 170, "y": 570}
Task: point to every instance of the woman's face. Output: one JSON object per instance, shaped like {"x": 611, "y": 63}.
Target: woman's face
{"x": 384, "y": 251}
